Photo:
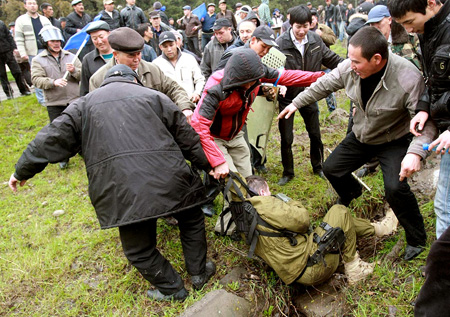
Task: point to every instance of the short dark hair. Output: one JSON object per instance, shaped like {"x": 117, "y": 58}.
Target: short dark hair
{"x": 399, "y": 8}
{"x": 256, "y": 183}
{"x": 142, "y": 28}
{"x": 371, "y": 41}
{"x": 45, "y": 5}
{"x": 300, "y": 14}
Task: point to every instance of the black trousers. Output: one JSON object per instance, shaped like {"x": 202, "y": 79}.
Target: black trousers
{"x": 193, "y": 45}
{"x": 8, "y": 59}
{"x": 352, "y": 154}
{"x": 310, "y": 114}
{"x": 139, "y": 246}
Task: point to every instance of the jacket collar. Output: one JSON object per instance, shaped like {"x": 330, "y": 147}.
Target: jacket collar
{"x": 290, "y": 44}
{"x": 47, "y": 53}
{"x": 442, "y": 15}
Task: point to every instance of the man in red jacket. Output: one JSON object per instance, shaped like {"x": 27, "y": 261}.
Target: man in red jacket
{"x": 225, "y": 103}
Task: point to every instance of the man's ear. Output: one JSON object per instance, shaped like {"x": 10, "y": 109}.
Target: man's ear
{"x": 377, "y": 58}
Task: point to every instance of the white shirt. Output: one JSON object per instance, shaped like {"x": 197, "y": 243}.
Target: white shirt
{"x": 186, "y": 72}
{"x": 299, "y": 45}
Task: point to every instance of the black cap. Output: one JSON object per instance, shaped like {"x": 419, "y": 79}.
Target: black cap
{"x": 221, "y": 23}
{"x": 154, "y": 14}
{"x": 265, "y": 34}
{"x": 126, "y": 40}
{"x": 97, "y": 26}
{"x": 167, "y": 36}
{"x": 123, "y": 71}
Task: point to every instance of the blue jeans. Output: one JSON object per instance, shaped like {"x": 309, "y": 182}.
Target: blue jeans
{"x": 331, "y": 98}
{"x": 341, "y": 26}
{"x": 39, "y": 92}
{"x": 206, "y": 37}
{"x": 442, "y": 198}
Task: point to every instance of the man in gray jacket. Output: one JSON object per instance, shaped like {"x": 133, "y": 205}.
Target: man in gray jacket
{"x": 385, "y": 89}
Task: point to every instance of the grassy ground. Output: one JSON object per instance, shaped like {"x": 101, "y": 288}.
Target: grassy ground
{"x": 67, "y": 266}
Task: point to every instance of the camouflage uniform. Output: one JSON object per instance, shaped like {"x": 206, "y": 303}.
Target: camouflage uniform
{"x": 408, "y": 50}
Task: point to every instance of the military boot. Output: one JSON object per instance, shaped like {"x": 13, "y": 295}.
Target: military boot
{"x": 387, "y": 225}
{"x": 357, "y": 270}
{"x": 198, "y": 281}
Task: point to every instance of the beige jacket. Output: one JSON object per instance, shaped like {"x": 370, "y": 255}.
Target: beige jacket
{"x": 45, "y": 70}
{"x": 24, "y": 34}
{"x": 389, "y": 110}
{"x": 152, "y": 77}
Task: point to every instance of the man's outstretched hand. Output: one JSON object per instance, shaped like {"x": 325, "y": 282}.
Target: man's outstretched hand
{"x": 13, "y": 183}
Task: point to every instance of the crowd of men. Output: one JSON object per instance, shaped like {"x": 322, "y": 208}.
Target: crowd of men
{"x": 205, "y": 73}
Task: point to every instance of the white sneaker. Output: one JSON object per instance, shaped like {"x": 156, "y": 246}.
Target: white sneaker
{"x": 387, "y": 225}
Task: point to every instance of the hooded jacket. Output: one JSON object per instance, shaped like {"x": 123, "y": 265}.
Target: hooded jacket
{"x": 134, "y": 145}
{"x": 223, "y": 108}
{"x": 264, "y": 12}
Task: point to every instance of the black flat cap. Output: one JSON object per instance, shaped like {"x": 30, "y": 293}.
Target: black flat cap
{"x": 126, "y": 40}
{"x": 97, "y": 26}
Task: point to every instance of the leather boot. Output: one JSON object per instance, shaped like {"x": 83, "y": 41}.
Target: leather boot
{"x": 387, "y": 225}
{"x": 357, "y": 270}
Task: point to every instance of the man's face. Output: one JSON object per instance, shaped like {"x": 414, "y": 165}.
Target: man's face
{"x": 328, "y": 2}
{"x": 362, "y": 67}
{"x": 109, "y": 7}
{"x": 130, "y": 59}
{"x": 131, "y": 2}
{"x": 223, "y": 35}
{"x": 211, "y": 9}
{"x": 187, "y": 12}
{"x": 48, "y": 12}
{"x": 243, "y": 15}
{"x": 222, "y": 6}
{"x": 31, "y": 6}
{"x": 170, "y": 49}
{"x": 259, "y": 47}
{"x": 341, "y": 2}
{"x": 149, "y": 32}
{"x": 314, "y": 22}
{"x": 414, "y": 22}
{"x": 384, "y": 26}
{"x": 246, "y": 30}
{"x": 179, "y": 42}
{"x": 300, "y": 30}
{"x": 79, "y": 8}
{"x": 156, "y": 22}
{"x": 100, "y": 40}
{"x": 63, "y": 24}
{"x": 54, "y": 46}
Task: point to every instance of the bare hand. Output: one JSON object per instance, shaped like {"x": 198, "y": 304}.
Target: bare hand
{"x": 195, "y": 98}
{"x": 188, "y": 113}
{"x": 419, "y": 120}
{"x": 269, "y": 92}
{"x": 70, "y": 67}
{"x": 282, "y": 90}
{"x": 410, "y": 165}
{"x": 13, "y": 183}
{"x": 318, "y": 32}
{"x": 221, "y": 171}
{"x": 25, "y": 57}
{"x": 61, "y": 82}
{"x": 78, "y": 30}
{"x": 287, "y": 112}
{"x": 442, "y": 143}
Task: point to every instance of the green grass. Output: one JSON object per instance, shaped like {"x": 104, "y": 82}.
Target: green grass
{"x": 67, "y": 266}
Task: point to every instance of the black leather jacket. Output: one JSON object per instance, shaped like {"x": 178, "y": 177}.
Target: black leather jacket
{"x": 132, "y": 17}
{"x": 435, "y": 45}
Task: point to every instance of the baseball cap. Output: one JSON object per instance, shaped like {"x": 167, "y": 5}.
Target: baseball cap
{"x": 210, "y": 4}
{"x": 75, "y": 2}
{"x": 108, "y": 1}
{"x": 221, "y": 23}
{"x": 154, "y": 14}
{"x": 187, "y": 8}
{"x": 167, "y": 36}
{"x": 378, "y": 13}
{"x": 265, "y": 34}
{"x": 222, "y": 1}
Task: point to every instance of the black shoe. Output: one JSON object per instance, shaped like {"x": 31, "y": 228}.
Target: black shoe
{"x": 26, "y": 93}
{"x": 208, "y": 210}
{"x": 411, "y": 252}
{"x": 261, "y": 169}
{"x": 340, "y": 201}
{"x": 285, "y": 179}
{"x": 320, "y": 174}
{"x": 63, "y": 165}
{"x": 157, "y": 295}
{"x": 198, "y": 281}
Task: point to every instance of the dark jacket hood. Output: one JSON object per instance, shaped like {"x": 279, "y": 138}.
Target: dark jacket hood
{"x": 356, "y": 22}
{"x": 398, "y": 33}
{"x": 243, "y": 66}
{"x": 252, "y": 15}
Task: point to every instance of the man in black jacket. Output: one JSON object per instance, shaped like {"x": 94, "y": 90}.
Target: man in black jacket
{"x": 306, "y": 51}
{"x": 77, "y": 20}
{"x": 47, "y": 11}
{"x": 7, "y": 47}
{"x": 131, "y": 16}
{"x": 110, "y": 15}
{"x": 131, "y": 184}
{"x": 431, "y": 20}
{"x": 330, "y": 16}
